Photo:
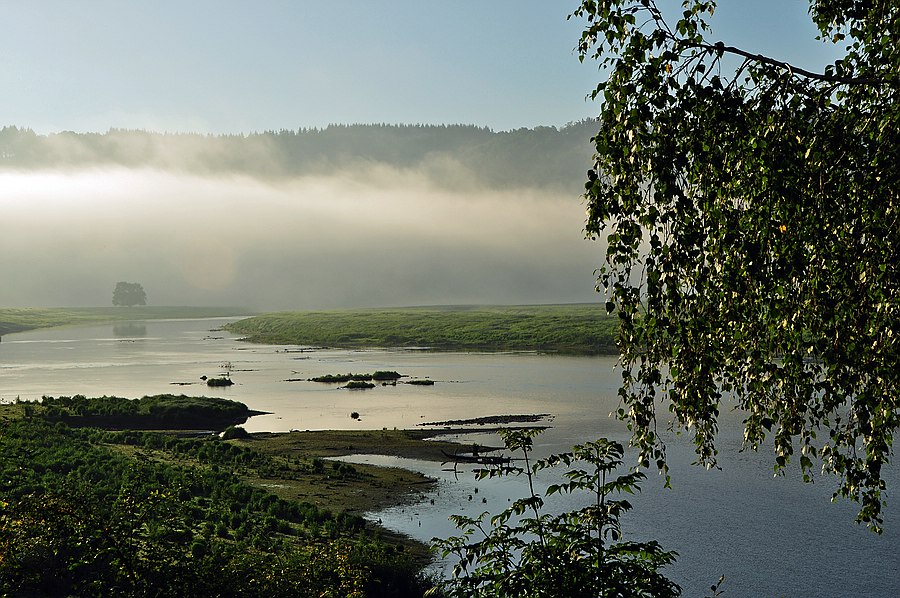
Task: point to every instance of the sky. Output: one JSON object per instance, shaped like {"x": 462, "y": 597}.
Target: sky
{"x": 241, "y": 66}
{"x": 373, "y": 237}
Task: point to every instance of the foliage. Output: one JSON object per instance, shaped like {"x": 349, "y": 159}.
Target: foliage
{"x": 223, "y": 381}
{"x": 129, "y": 294}
{"x": 527, "y": 552}
{"x": 582, "y": 329}
{"x": 359, "y": 385}
{"x": 235, "y": 432}
{"x": 156, "y": 411}
{"x": 450, "y": 155}
{"x": 386, "y": 375}
{"x": 77, "y": 518}
{"x": 751, "y": 213}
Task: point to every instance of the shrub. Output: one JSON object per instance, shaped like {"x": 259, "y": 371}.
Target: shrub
{"x": 234, "y": 432}
{"x": 359, "y": 385}
{"x": 524, "y": 551}
{"x": 219, "y": 382}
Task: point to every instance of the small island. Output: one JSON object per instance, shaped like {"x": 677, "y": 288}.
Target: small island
{"x": 358, "y": 385}
{"x": 157, "y": 412}
{"x": 223, "y": 381}
{"x": 379, "y": 376}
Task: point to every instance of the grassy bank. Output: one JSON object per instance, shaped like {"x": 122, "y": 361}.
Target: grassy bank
{"x": 143, "y": 513}
{"x": 30, "y": 318}
{"x": 374, "y": 488}
{"x": 320, "y": 484}
{"x": 573, "y": 328}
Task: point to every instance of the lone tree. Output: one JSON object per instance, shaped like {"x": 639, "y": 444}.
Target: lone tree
{"x": 129, "y": 294}
{"x": 750, "y": 209}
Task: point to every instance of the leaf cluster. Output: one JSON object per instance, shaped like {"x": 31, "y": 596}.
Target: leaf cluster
{"x": 750, "y": 210}
{"x": 527, "y": 551}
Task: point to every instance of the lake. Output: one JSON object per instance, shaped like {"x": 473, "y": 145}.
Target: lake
{"x": 769, "y": 537}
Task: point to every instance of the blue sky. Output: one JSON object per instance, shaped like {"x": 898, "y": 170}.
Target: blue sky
{"x": 238, "y": 66}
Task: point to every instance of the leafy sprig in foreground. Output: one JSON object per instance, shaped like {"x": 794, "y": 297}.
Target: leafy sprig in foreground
{"x": 525, "y": 551}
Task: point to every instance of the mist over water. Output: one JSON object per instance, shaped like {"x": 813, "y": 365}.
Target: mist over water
{"x": 371, "y": 236}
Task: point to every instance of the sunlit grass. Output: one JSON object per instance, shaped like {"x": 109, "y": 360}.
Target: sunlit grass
{"x": 572, "y": 328}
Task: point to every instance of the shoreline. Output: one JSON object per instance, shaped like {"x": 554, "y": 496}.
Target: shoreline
{"x": 370, "y": 488}
{"x": 14, "y": 320}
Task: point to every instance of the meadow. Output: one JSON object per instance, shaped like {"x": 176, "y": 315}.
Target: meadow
{"x": 570, "y": 328}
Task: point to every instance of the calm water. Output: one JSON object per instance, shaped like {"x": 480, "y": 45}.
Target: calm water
{"x": 770, "y": 537}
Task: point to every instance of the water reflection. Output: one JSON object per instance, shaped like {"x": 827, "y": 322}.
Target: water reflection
{"x": 770, "y": 537}
{"x": 130, "y": 329}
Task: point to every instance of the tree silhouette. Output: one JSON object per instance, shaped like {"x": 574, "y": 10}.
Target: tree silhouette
{"x": 129, "y": 294}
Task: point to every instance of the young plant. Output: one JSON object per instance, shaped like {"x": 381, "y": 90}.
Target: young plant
{"x": 526, "y": 552}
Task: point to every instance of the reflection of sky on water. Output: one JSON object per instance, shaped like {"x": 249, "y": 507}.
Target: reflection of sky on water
{"x": 769, "y": 537}
{"x": 457, "y": 493}
{"x": 174, "y": 355}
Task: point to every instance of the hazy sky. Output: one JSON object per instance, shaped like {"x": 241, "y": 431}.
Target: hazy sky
{"x": 252, "y": 65}
{"x": 373, "y": 237}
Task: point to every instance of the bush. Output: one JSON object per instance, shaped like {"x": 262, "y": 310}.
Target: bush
{"x": 235, "y": 432}
{"x": 359, "y": 385}
{"x": 524, "y": 551}
{"x": 219, "y": 382}
{"x": 386, "y": 375}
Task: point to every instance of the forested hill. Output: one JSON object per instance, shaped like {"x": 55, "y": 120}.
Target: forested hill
{"x": 450, "y": 155}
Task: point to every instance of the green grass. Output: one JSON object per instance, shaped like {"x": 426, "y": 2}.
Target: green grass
{"x": 573, "y": 328}
{"x": 29, "y": 318}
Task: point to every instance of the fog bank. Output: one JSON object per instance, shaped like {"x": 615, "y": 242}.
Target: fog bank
{"x": 371, "y": 236}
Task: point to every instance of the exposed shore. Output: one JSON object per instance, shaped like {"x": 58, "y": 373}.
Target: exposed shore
{"x": 32, "y": 318}
{"x": 379, "y": 487}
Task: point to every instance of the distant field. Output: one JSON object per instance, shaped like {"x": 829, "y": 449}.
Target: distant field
{"x": 574, "y": 328}
{"x": 21, "y": 319}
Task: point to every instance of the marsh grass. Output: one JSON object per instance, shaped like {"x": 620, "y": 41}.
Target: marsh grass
{"x": 571, "y": 328}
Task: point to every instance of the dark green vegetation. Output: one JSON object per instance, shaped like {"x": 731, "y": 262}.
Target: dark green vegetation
{"x": 582, "y": 329}
{"x": 451, "y": 156}
{"x": 235, "y": 433}
{"x": 129, "y": 294}
{"x": 752, "y": 214}
{"x": 380, "y": 376}
{"x": 21, "y": 319}
{"x": 386, "y": 375}
{"x": 525, "y": 551}
{"x": 158, "y": 412}
{"x": 90, "y": 512}
{"x": 359, "y": 385}
{"x": 219, "y": 382}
